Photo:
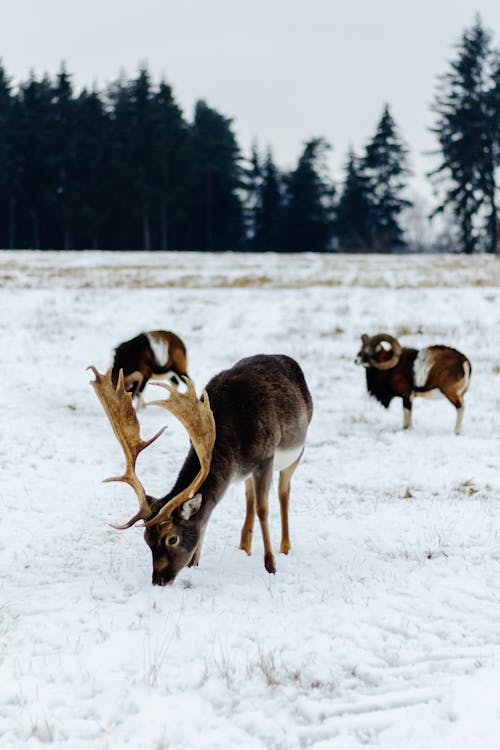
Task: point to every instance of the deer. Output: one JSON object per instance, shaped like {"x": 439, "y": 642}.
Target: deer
{"x": 393, "y": 370}
{"x": 250, "y": 420}
{"x": 154, "y": 354}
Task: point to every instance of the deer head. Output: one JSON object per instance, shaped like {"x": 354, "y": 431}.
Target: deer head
{"x": 170, "y": 532}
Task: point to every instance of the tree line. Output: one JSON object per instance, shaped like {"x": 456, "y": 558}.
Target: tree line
{"x": 124, "y": 169}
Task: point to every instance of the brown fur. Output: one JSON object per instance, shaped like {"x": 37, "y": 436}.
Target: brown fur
{"x": 261, "y": 410}
{"x": 137, "y": 360}
{"x": 261, "y": 405}
{"x": 251, "y": 419}
{"x": 447, "y": 371}
{"x": 447, "y": 374}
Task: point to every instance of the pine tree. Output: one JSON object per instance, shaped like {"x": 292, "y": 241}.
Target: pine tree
{"x": 132, "y": 160}
{"x": 385, "y": 168}
{"x": 142, "y": 150}
{"x": 216, "y": 210}
{"x": 353, "y": 219}
{"x": 309, "y": 202}
{"x": 466, "y": 137}
{"x": 91, "y": 171}
{"x": 64, "y": 134}
{"x": 7, "y": 171}
{"x": 251, "y": 183}
{"x": 493, "y": 112}
{"x": 122, "y": 230}
{"x": 269, "y": 209}
{"x": 170, "y": 168}
{"x": 36, "y": 221}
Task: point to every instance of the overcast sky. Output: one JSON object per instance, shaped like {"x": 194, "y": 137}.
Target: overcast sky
{"x": 284, "y": 70}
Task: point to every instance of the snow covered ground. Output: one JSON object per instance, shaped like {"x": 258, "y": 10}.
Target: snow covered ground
{"x": 382, "y": 626}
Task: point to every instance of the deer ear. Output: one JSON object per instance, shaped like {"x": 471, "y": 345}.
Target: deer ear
{"x": 365, "y": 338}
{"x": 191, "y": 506}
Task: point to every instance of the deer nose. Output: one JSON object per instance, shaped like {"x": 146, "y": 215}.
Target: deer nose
{"x": 160, "y": 578}
{"x": 162, "y": 574}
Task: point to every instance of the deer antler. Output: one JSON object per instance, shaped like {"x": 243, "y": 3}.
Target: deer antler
{"x": 198, "y": 419}
{"x": 118, "y": 406}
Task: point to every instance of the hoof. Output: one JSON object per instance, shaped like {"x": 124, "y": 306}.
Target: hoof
{"x": 246, "y": 541}
{"x": 285, "y": 548}
{"x": 270, "y": 564}
{"x": 246, "y": 548}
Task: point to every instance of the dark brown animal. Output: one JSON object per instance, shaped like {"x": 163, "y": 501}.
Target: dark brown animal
{"x": 251, "y": 419}
{"x": 155, "y": 354}
{"x": 393, "y": 370}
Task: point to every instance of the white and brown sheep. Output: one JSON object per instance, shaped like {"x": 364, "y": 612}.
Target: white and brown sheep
{"x": 396, "y": 371}
{"x": 155, "y": 354}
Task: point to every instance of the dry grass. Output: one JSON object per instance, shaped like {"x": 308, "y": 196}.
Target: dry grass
{"x": 337, "y": 331}
{"x": 467, "y": 488}
{"x": 409, "y": 331}
{"x": 245, "y": 281}
{"x": 199, "y": 270}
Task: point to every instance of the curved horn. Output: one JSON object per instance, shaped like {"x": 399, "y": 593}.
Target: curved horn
{"x": 117, "y": 404}
{"x": 396, "y": 351}
{"x": 198, "y": 419}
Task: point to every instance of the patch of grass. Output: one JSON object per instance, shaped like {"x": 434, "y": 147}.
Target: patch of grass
{"x": 467, "y": 488}
{"x": 337, "y": 331}
{"x": 244, "y": 281}
{"x": 409, "y": 331}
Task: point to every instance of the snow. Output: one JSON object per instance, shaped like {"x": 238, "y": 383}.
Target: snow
{"x": 380, "y": 628}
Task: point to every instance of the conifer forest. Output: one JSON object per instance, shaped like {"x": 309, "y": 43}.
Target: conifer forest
{"x": 124, "y": 168}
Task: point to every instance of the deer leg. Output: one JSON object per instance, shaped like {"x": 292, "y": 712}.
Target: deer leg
{"x": 262, "y": 481}
{"x": 407, "y": 404}
{"x": 284, "y": 496}
{"x": 247, "y": 530}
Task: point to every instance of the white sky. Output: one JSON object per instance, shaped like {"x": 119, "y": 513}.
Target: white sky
{"x": 283, "y": 70}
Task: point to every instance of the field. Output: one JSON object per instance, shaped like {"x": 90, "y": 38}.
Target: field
{"x": 380, "y": 629}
